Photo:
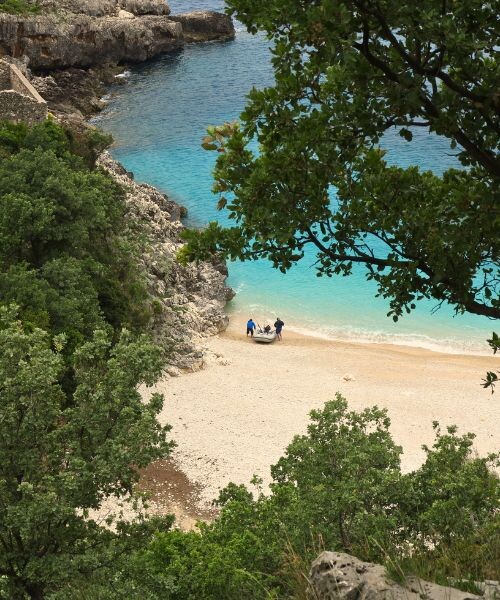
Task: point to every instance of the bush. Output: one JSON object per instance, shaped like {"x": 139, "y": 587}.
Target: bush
{"x": 15, "y": 7}
{"x": 340, "y": 488}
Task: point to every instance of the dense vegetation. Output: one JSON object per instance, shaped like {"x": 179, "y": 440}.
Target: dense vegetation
{"x": 66, "y": 259}
{"x": 345, "y": 74}
{"x": 22, "y": 7}
{"x": 73, "y": 428}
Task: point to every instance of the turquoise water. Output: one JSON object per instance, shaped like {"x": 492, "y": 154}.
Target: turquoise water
{"x": 158, "y": 120}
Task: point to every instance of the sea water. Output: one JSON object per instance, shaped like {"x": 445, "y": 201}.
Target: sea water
{"x": 158, "y": 119}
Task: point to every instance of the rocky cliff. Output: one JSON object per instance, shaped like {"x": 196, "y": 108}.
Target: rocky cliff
{"x": 85, "y": 33}
{"x": 188, "y": 300}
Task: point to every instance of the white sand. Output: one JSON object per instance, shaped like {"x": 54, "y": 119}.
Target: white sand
{"x": 234, "y": 418}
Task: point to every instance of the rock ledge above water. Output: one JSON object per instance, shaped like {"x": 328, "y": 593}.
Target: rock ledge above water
{"x": 89, "y": 33}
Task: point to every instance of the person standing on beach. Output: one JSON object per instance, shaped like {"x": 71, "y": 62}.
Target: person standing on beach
{"x": 250, "y": 327}
{"x": 278, "y": 325}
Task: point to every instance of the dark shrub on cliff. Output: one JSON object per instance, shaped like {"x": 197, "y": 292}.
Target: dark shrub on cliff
{"x": 16, "y": 7}
{"x": 62, "y": 454}
{"x": 74, "y": 430}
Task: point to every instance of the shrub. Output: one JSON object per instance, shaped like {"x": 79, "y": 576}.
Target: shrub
{"x": 339, "y": 487}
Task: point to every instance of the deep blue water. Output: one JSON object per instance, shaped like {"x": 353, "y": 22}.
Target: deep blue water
{"x": 158, "y": 120}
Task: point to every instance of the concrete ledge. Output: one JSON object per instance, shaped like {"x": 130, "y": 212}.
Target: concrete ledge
{"x": 19, "y": 101}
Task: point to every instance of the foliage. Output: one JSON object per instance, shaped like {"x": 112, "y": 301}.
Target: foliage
{"x": 492, "y": 376}
{"x": 66, "y": 257}
{"x": 338, "y": 487}
{"x": 62, "y": 455}
{"x": 15, "y": 7}
{"x": 345, "y": 74}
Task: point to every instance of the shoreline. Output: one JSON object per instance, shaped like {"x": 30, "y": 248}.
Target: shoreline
{"x": 433, "y": 345}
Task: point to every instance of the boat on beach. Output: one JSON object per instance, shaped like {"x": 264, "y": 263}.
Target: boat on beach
{"x": 264, "y": 337}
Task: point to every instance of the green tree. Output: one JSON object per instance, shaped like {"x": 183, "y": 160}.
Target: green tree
{"x": 345, "y": 74}
{"x": 62, "y": 455}
{"x": 67, "y": 257}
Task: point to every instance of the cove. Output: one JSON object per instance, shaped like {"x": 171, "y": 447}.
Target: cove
{"x": 158, "y": 119}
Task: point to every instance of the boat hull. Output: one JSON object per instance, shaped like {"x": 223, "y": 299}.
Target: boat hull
{"x": 264, "y": 338}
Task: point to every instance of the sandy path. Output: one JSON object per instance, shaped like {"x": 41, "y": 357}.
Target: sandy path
{"x": 234, "y": 418}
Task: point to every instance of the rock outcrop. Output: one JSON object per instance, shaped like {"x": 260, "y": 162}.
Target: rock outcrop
{"x": 188, "y": 301}
{"x": 109, "y": 8}
{"x": 145, "y": 7}
{"x": 205, "y": 25}
{"x": 86, "y": 33}
{"x": 93, "y": 8}
{"x": 50, "y": 42}
{"x": 338, "y": 576}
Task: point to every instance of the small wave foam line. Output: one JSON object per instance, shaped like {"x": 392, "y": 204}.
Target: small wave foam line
{"x": 445, "y": 346}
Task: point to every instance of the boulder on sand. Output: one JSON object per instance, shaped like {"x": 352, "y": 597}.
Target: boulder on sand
{"x": 339, "y": 576}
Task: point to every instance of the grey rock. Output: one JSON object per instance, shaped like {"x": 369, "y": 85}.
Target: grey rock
{"x": 205, "y": 26}
{"x": 92, "y": 33}
{"x": 145, "y": 7}
{"x": 103, "y": 8}
{"x": 72, "y": 90}
{"x": 188, "y": 301}
{"x": 82, "y": 41}
{"x": 93, "y": 8}
{"x": 339, "y": 576}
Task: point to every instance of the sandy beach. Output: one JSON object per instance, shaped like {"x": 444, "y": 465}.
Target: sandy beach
{"x": 234, "y": 418}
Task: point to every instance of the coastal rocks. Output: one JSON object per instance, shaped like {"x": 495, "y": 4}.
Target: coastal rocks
{"x": 92, "y": 8}
{"x": 73, "y": 94}
{"x": 82, "y": 41}
{"x": 188, "y": 301}
{"x": 205, "y": 26}
{"x": 145, "y": 7}
{"x": 91, "y": 34}
{"x": 338, "y": 576}
{"x": 123, "y": 14}
{"x": 103, "y": 8}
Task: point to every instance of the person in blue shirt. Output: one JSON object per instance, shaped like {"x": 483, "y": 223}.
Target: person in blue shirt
{"x": 250, "y": 327}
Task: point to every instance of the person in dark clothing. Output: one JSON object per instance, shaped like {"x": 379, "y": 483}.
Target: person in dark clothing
{"x": 278, "y": 325}
{"x": 250, "y": 327}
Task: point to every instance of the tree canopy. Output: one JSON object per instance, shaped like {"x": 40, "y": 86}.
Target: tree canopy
{"x": 74, "y": 430}
{"x": 61, "y": 454}
{"x": 345, "y": 74}
{"x": 66, "y": 259}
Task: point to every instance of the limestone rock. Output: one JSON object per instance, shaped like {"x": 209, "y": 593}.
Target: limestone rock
{"x": 76, "y": 92}
{"x": 123, "y": 14}
{"x": 338, "y": 576}
{"x": 92, "y": 8}
{"x": 205, "y": 26}
{"x": 103, "y": 8}
{"x": 94, "y": 33}
{"x": 188, "y": 301}
{"x": 82, "y": 41}
{"x": 145, "y": 7}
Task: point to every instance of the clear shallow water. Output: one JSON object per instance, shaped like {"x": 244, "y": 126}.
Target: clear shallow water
{"x": 158, "y": 120}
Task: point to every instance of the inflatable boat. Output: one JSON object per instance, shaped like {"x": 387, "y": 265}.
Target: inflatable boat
{"x": 263, "y": 337}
